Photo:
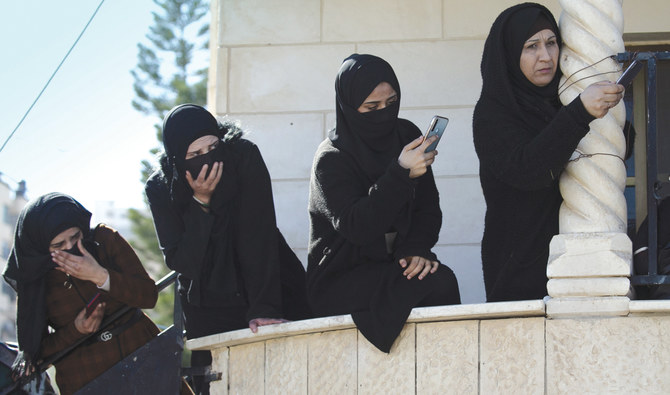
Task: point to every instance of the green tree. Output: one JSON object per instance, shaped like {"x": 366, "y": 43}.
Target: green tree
{"x": 169, "y": 71}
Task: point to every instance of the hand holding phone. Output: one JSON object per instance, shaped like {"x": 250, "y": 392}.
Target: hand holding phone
{"x": 92, "y": 304}
{"x": 629, "y": 74}
{"x": 436, "y": 128}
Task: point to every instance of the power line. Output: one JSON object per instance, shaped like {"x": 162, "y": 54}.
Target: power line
{"x": 52, "y": 76}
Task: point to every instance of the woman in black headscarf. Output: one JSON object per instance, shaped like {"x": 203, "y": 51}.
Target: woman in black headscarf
{"x": 524, "y": 138}
{"x": 212, "y": 205}
{"x": 57, "y": 266}
{"x": 374, "y": 210}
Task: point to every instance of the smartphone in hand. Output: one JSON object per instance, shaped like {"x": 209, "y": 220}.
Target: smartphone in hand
{"x": 436, "y": 128}
{"x": 92, "y": 304}
{"x": 627, "y": 76}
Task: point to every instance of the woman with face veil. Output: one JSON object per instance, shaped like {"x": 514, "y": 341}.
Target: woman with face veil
{"x": 524, "y": 138}
{"x": 374, "y": 210}
{"x": 212, "y": 206}
{"x": 57, "y": 265}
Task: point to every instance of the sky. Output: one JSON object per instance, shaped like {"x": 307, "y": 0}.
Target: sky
{"x": 83, "y": 136}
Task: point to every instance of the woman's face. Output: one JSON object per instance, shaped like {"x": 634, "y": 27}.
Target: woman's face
{"x": 539, "y": 58}
{"x": 65, "y": 239}
{"x": 202, "y": 146}
{"x": 383, "y": 95}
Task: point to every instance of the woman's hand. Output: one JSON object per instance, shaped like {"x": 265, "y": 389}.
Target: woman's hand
{"x": 203, "y": 187}
{"x": 90, "y": 324}
{"x": 598, "y": 98}
{"x": 256, "y": 322}
{"x": 418, "y": 265}
{"x": 83, "y": 267}
{"x": 414, "y": 157}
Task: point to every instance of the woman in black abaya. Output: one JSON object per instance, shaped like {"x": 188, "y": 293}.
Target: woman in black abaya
{"x": 524, "y": 138}
{"x": 374, "y": 210}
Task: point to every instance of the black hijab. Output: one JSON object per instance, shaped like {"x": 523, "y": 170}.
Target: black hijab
{"x": 372, "y": 138}
{"x": 29, "y": 261}
{"x": 503, "y": 80}
{"x": 182, "y": 126}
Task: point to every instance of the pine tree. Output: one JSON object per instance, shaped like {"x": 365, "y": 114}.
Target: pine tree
{"x": 167, "y": 74}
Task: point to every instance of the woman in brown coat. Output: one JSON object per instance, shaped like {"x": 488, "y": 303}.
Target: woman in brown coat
{"x": 58, "y": 266}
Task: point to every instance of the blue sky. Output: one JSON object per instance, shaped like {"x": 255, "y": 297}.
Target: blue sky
{"x": 83, "y": 137}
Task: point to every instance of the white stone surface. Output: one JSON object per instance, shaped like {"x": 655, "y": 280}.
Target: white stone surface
{"x": 608, "y": 356}
{"x": 456, "y": 151}
{"x": 447, "y": 358}
{"x": 217, "y": 82}
{"x": 281, "y": 78}
{"x": 246, "y": 369}
{"x": 333, "y": 362}
{"x": 465, "y": 261}
{"x": 220, "y": 364}
{"x": 434, "y": 73}
{"x": 286, "y": 365}
{"x": 651, "y": 17}
{"x": 650, "y": 307}
{"x": 512, "y": 356}
{"x": 462, "y": 218}
{"x": 390, "y": 373}
{"x": 269, "y": 22}
{"x": 587, "y": 307}
{"x": 291, "y": 209}
{"x": 383, "y": 20}
{"x": 589, "y": 255}
{"x": 611, "y": 286}
{"x": 287, "y": 141}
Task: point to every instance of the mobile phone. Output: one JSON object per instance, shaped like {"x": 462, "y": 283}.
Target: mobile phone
{"x": 627, "y": 76}
{"x": 436, "y": 128}
{"x": 92, "y": 304}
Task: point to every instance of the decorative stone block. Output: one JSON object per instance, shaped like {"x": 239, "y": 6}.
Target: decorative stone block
{"x": 286, "y": 365}
{"x": 447, "y": 357}
{"x": 380, "y": 373}
{"x": 333, "y": 365}
{"x": 269, "y": 22}
{"x": 434, "y": 73}
{"x": 381, "y": 20}
{"x": 608, "y": 355}
{"x": 220, "y": 364}
{"x": 608, "y": 286}
{"x": 246, "y": 372}
{"x": 589, "y": 255}
{"x": 217, "y": 81}
{"x": 512, "y": 356}
{"x": 596, "y": 306}
{"x": 268, "y": 79}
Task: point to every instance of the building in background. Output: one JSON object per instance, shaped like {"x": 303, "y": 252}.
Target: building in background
{"x": 11, "y": 203}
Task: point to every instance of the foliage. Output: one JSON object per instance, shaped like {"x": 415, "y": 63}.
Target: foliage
{"x": 168, "y": 73}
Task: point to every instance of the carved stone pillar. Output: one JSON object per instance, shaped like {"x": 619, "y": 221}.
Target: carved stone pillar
{"x": 590, "y": 260}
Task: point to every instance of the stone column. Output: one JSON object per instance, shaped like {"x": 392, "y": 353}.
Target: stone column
{"x": 590, "y": 260}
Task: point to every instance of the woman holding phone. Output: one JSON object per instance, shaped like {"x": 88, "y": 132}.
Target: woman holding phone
{"x": 524, "y": 138}
{"x": 59, "y": 266}
{"x": 374, "y": 210}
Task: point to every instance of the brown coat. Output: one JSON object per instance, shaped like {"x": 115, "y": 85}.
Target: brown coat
{"x": 131, "y": 286}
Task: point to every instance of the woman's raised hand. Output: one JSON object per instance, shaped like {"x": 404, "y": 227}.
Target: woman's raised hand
{"x": 414, "y": 157}
{"x": 203, "y": 187}
{"x": 83, "y": 267}
{"x": 599, "y": 97}
{"x": 90, "y": 324}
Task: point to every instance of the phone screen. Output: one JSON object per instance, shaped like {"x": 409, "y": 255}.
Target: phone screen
{"x": 437, "y": 126}
{"x": 630, "y": 73}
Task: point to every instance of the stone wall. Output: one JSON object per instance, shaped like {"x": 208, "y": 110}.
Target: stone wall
{"x": 273, "y": 65}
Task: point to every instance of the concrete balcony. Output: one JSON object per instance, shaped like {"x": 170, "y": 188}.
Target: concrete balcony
{"x": 507, "y": 348}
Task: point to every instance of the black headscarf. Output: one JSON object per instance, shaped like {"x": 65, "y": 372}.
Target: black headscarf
{"x": 372, "y": 138}
{"x": 182, "y": 126}
{"x": 503, "y": 80}
{"x": 29, "y": 261}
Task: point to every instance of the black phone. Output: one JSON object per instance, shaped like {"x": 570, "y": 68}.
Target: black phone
{"x": 436, "y": 128}
{"x": 627, "y": 76}
{"x": 92, "y": 304}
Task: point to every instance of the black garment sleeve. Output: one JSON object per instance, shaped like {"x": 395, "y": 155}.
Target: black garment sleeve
{"x": 360, "y": 216}
{"x": 256, "y": 237}
{"x": 183, "y": 237}
{"x": 425, "y": 222}
{"x": 529, "y": 160}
